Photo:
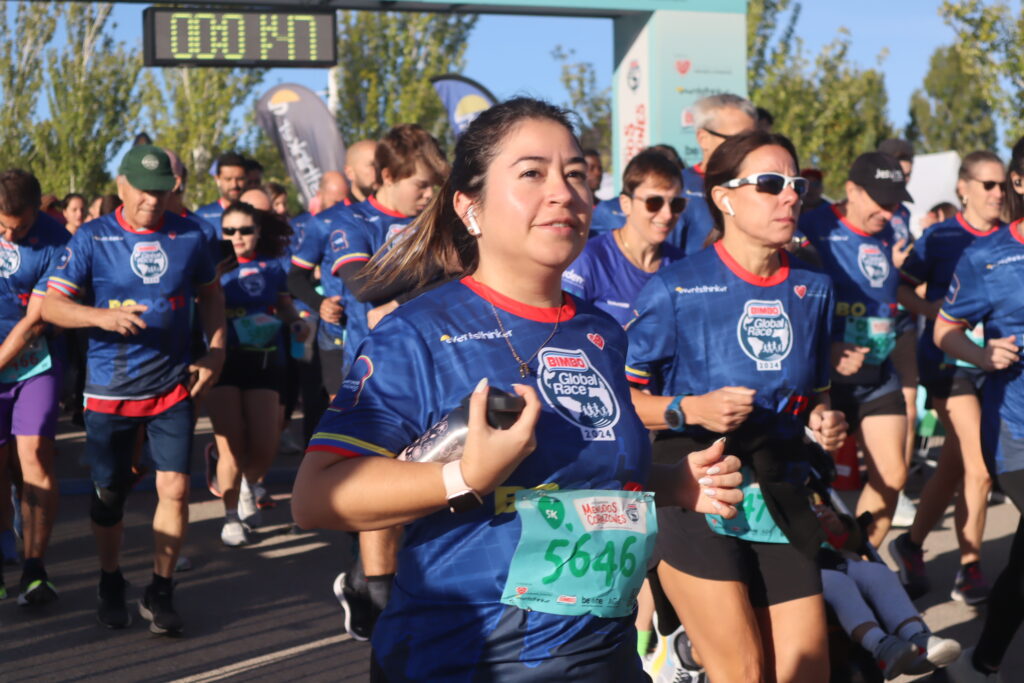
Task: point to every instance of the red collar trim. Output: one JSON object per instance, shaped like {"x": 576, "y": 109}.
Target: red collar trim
{"x": 699, "y": 168}
{"x": 742, "y": 273}
{"x": 1015, "y": 230}
{"x": 383, "y": 209}
{"x": 849, "y": 226}
{"x": 538, "y": 314}
{"x": 346, "y": 201}
{"x": 971, "y": 229}
{"x": 223, "y": 202}
{"x": 119, "y": 215}
{"x": 242, "y": 259}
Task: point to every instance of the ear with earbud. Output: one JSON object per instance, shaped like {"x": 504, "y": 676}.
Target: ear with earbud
{"x": 728, "y": 206}
{"x": 472, "y": 227}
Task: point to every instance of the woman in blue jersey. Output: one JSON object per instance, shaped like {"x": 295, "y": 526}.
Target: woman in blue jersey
{"x": 734, "y": 340}
{"x": 509, "y": 569}
{"x": 615, "y": 265}
{"x": 953, "y": 385}
{"x": 244, "y": 405}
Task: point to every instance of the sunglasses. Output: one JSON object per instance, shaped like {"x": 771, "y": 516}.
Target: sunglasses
{"x": 719, "y": 135}
{"x": 988, "y": 184}
{"x": 656, "y": 202}
{"x": 248, "y": 230}
{"x": 771, "y": 183}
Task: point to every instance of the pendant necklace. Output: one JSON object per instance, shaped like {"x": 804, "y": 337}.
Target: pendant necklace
{"x": 524, "y": 365}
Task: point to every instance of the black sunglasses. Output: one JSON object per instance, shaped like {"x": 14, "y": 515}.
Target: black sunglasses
{"x": 248, "y": 230}
{"x": 719, "y": 135}
{"x": 771, "y": 183}
{"x": 988, "y": 184}
{"x": 655, "y": 202}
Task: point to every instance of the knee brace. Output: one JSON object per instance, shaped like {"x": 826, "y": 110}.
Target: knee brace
{"x": 107, "y": 507}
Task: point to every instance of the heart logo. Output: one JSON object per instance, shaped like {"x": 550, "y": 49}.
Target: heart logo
{"x": 687, "y": 118}
{"x": 683, "y": 66}
{"x": 520, "y": 590}
{"x": 596, "y": 339}
{"x": 800, "y": 290}
{"x": 552, "y": 510}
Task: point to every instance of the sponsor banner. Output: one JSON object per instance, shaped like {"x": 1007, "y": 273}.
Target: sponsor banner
{"x": 464, "y": 99}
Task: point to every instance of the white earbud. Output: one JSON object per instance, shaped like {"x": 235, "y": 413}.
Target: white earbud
{"x": 728, "y": 206}
{"x": 472, "y": 227}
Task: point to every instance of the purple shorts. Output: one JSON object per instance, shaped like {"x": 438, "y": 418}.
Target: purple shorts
{"x": 30, "y": 407}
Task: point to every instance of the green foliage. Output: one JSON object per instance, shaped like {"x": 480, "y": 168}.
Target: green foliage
{"x": 593, "y": 106}
{"x": 386, "y": 60}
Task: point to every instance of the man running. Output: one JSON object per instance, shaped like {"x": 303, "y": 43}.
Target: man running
{"x": 31, "y": 244}
{"x": 231, "y": 181}
{"x": 140, "y": 267}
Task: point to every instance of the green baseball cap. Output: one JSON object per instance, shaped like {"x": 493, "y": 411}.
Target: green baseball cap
{"x": 148, "y": 168}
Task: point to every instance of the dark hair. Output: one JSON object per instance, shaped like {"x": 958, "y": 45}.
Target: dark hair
{"x": 402, "y": 147}
{"x": 109, "y": 203}
{"x": 645, "y": 165}
{"x": 1014, "y": 201}
{"x": 725, "y": 164}
{"x": 253, "y": 165}
{"x": 275, "y": 190}
{"x": 764, "y": 116}
{"x": 19, "y": 191}
{"x": 944, "y": 210}
{"x": 231, "y": 159}
{"x": 591, "y": 152}
{"x": 969, "y": 162}
{"x": 73, "y": 195}
{"x": 669, "y": 152}
{"x": 437, "y": 241}
{"x": 274, "y": 231}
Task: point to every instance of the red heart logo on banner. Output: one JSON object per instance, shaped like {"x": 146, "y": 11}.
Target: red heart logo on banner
{"x": 800, "y": 290}
{"x": 688, "y": 118}
{"x": 596, "y": 339}
{"x": 521, "y": 589}
{"x": 683, "y": 66}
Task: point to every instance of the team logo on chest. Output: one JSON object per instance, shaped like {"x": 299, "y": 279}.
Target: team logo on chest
{"x": 578, "y": 392}
{"x": 765, "y": 333}
{"x": 10, "y": 258}
{"x": 149, "y": 261}
{"x": 251, "y": 281}
{"x": 873, "y": 264}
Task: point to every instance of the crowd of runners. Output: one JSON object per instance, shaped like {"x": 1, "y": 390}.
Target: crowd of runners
{"x": 683, "y": 359}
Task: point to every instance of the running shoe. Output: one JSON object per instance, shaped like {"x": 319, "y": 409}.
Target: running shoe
{"x": 264, "y": 501}
{"x": 157, "y": 607}
{"x": 112, "y": 608}
{"x": 38, "y": 591}
{"x": 963, "y": 671}
{"x": 210, "y": 458}
{"x": 357, "y": 608}
{"x": 9, "y": 547}
{"x": 248, "y": 511}
{"x": 673, "y": 660}
{"x": 933, "y": 653}
{"x": 970, "y": 586}
{"x": 894, "y": 656}
{"x": 183, "y": 564}
{"x": 234, "y": 533}
{"x": 910, "y": 565}
{"x": 905, "y": 512}
{"x": 3, "y": 591}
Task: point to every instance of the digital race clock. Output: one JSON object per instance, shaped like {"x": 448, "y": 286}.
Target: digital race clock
{"x": 173, "y": 37}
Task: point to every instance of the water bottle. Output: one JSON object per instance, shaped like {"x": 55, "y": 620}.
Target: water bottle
{"x": 444, "y": 441}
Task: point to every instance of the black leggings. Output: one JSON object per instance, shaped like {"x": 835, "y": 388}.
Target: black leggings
{"x": 1006, "y": 601}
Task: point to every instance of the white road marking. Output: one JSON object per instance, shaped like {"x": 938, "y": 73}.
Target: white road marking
{"x": 263, "y": 660}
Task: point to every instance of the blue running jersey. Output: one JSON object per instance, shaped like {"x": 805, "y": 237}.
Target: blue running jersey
{"x": 986, "y": 288}
{"x": 899, "y": 226}
{"x": 607, "y": 216}
{"x": 110, "y": 265}
{"x": 321, "y": 239}
{"x": 25, "y": 267}
{"x": 696, "y": 222}
{"x": 603, "y": 276}
{"x": 705, "y": 323}
{"x": 444, "y": 616}
{"x": 299, "y": 225}
{"x": 253, "y": 287}
{"x": 213, "y": 212}
{"x": 211, "y": 233}
{"x": 933, "y": 261}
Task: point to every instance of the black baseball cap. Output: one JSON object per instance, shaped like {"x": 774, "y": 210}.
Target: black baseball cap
{"x": 881, "y": 177}
{"x": 148, "y": 168}
{"x": 898, "y": 149}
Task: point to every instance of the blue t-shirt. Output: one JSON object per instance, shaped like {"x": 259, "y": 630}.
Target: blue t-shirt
{"x": 210, "y": 232}
{"x": 696, "y": 222}
{"x": 25, "y": 267}
{"x": 705, "y": 323}
{"x": 299, "y": 225}
{"x": 444, "y": 615}
{"x": 319, "y": 242}
{"x": 607, "y": 216}
{"x": 603, "y": 276}
{"x": 109, "y": 265}
{"x": 898, "y": 227}
{"x": 212, "y": 213}
{"x": 933, "y": 261}
{"x": 253, "y": 287}
{"x": 986, "y": 288}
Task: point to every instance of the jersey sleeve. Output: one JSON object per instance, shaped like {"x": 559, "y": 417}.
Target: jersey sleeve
{"x": 652, "y": 334}
{"x": 310, "y": 249}
{"x": 72, "y": 272}
{"x": 967, "y": 300}
{"x": 577, "y": 277}
{"x": 915, "y": 267}
{"x": 349, "y": 242}
{"x": 205, "y": 265}
{"x": 383, "y": 404}
{"x": 823, "y": 375}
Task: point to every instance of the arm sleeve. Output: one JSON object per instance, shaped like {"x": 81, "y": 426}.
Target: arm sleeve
{"x": 300, "y": 285}
{"x": 967, "y": 300}
{"x": 823, "y": 374}
{"x": 310, "y": 250}
{"x": 915, "y": 268}
{"x": 578, "y": 276}
{"x": 652, "y": 334}
{"x": 73, "y": 271}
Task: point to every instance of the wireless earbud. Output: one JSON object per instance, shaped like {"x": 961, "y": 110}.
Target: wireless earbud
{"x": 472, "y": 227}
{"x": 728, "y": 206}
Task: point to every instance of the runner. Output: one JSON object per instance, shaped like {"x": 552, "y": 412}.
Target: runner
{"x": 231, "y": 182}
{"x": 243, "y": 406}
{"x": 141, "y": 268}
{"x": 985, "y": 290}
{"x": 31, "y": 244}
{"x": 520, "y": 169}
{"x": 852, "y": 239}
{"x": 360, "y": 170}
{"x": 74, "y": 211}
{"x": 735, "y": 340}
{"x": 716, "y": 118}
{"x": 953, "y": 386}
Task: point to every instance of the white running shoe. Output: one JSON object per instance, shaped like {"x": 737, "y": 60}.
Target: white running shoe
{"x": 234, "y": 533}
{"x": 248, "y": 511}
{"x": 906, "y": 510}
{"x": 935, "y": 653}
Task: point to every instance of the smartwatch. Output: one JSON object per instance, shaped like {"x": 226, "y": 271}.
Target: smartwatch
{"x": 674, "y": 417}
{"x": 461, "y": 498}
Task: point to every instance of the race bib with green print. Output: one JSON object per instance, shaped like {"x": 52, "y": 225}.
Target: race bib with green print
{"x": 33, "y": 360}
{"x": 976, "y": 335}
{"x": 256, "y": 330}
{"x": 753, "y": 521}
{"x": 878, "y": 334}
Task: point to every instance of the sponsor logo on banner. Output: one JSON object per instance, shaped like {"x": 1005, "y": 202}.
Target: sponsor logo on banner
{"x": 873, "y": 264}
{"x": 633, "y": 100}
{"x": 251, "y": 280}
{"x": 10, "y": 258}
{"x": 633, "y": 75}
{"x": 149, "y": 261}
{"x": 765, "y": 333}
{"x": 611, "y": 513}
{"x": 578, "y": 392}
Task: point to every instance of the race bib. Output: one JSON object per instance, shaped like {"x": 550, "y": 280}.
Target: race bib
{"x": 878, "y": 334}
{"x": 256, "y": 330}
{"x": 581, "y": 552}
{"x": 976, "y": 335}
{"x": 753, "y": 521}
{"x": 33, "y": 360}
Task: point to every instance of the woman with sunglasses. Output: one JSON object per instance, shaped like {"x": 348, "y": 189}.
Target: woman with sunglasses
{"x": 244, "y": 404}
{"x": 953, "y": 385}
{"x": 734, "y": 340}
{"x": 615, "y": 265}
{"x": 854, "y": 242}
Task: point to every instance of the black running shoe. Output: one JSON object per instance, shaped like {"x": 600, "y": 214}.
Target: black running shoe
{"x": 36, "y": 591}
{"x": 357, "y": 607}
{"x": 112, "y": 610}
{"x": 157, "y": 607}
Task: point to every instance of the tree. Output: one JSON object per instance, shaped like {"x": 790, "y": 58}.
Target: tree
{"x": 592, "y": 106}
{"x": 92, "y": 102}
{"x": 386, "y": 60}
{"x": 950, "y": 94}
